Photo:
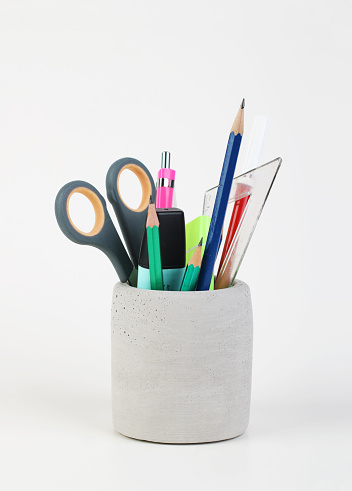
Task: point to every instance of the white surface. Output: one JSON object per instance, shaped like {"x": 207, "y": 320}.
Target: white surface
{"x": 85, "y": 83}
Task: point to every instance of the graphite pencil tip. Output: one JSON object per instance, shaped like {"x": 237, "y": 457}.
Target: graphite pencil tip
{"x": 237, "y": 126}
{"x": 151, "y": 199}
{"x": 200, "y": 242}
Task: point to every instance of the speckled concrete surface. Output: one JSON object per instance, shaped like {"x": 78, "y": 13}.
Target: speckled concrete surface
{"x": 181, "y": 363}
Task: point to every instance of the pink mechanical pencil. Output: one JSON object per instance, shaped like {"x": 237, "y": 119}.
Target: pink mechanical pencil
{"x": 165, "y": 183}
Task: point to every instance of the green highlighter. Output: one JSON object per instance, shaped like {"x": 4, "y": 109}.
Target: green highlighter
{"x": 190, "y": 278}
{"x": 195, "y": 230}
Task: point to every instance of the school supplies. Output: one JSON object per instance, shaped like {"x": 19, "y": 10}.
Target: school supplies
{"x": 192, "y": 270}
{"x": 252, "y": 161}
{"x": 237, "y": 215}
{"x": 172, "y": 247}
{"x": 165, "y": 183}
{"x": 259, "y": 181}
{"x": 131, "y": 221}
{"x": 223, "y": 192}
{"x": 195, "y": 230}
{"x": 152, "y": 227}
{"x": 236, "y": 193}
{"x": 255, "y": 147}
{"x": 104, "y": 235}
{"x": 154, "y": 233}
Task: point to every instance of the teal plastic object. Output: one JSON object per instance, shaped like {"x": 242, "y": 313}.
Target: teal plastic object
{"x": 103, "y": 236}
{"x": 172, "y": 278}
{"x": 131, "y": 221}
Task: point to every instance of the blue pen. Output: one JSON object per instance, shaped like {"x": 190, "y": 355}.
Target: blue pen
{"x": 222, "y": 197}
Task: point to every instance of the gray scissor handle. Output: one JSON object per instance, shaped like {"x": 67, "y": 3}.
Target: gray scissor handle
{"x": 103, "y": 235}
{"x": 131, "y": 221}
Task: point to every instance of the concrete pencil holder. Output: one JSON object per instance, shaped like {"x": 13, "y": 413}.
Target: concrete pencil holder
{"x": 181, "y": 363}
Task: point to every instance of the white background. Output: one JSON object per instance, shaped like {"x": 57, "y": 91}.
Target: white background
{"x": 85, "y": 83}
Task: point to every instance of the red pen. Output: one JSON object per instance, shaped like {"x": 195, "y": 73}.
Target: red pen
{"x": 235, "y": 220}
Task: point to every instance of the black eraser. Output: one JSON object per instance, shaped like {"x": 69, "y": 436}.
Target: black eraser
{"x": 172, "y": 239}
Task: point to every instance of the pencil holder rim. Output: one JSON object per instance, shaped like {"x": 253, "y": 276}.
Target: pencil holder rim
{"x": 167, "y": 293}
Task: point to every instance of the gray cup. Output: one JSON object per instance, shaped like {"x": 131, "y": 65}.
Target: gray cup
{"x": 181, "y": 363}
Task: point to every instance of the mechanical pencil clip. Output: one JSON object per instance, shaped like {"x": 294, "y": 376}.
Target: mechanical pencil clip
{"x": 165, "y": 183}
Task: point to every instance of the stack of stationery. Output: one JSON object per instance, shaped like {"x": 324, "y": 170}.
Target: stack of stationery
{"x": 162, "y": 252}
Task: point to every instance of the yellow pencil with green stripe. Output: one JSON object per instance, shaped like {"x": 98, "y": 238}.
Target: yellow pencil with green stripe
{"x": 192, "y": 272}
{"x": 155, "y": 267}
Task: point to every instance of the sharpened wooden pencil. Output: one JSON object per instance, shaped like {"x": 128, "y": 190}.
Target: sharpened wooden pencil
{"x": 155, "y": 267}
{"x": 192, "y": 271}
{"x": 221, "y": 200}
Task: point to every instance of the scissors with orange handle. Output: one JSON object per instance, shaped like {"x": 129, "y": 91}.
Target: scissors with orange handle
{"x": 104, "y": 235}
